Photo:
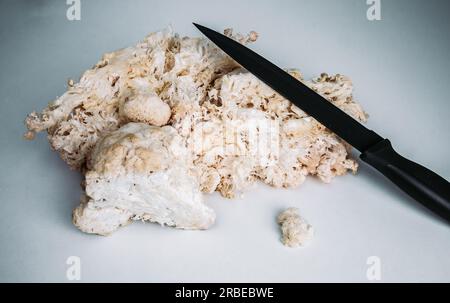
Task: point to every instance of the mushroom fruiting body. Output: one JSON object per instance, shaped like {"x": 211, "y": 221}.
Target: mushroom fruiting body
{"x": 230, "y": 130}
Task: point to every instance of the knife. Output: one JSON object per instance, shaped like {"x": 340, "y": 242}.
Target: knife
{"x": 425, "y": 186}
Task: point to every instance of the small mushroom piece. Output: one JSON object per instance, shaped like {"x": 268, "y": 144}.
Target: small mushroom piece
{"x": 295, "y": 230}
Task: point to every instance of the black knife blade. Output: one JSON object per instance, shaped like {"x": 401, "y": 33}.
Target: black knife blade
{"x": 428, "y": 188}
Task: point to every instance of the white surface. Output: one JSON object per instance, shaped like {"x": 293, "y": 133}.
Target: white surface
{"x": 400, "y": 70}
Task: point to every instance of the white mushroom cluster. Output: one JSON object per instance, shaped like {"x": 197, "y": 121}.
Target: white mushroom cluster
{"x": 154, "y": 125}
{"x": 141, "y": 172}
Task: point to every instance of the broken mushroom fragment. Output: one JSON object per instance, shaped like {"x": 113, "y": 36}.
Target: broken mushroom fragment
{"x": 140, "y": 172}
{"x": 294, "y": 229}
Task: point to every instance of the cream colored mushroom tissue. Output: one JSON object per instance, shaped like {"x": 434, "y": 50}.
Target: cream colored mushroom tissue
{"x": 154, "y": 125}
{"x": 295, "y": 229}
{"x": 141, "y": 172}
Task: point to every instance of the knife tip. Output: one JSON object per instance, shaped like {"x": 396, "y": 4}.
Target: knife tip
{"x": 199, "y": 27}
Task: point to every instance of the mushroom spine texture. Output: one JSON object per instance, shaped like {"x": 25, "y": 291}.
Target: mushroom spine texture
{"x": 230, "y": 128}
{"x": 140, "y": 172}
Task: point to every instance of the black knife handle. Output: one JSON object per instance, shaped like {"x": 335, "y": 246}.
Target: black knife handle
{"x": 425, "y": 186}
